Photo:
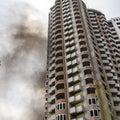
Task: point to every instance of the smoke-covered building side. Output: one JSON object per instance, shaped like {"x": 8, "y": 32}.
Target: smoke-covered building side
{"x": 83, "y": 66}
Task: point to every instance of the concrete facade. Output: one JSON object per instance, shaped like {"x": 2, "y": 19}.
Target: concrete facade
{"x": 83, "y": 73}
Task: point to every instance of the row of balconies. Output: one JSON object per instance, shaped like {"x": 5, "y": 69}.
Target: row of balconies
{"x": 66, "y": 7}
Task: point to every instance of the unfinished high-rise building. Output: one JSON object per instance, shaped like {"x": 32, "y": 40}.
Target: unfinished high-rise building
{"x": 83, "y": 64}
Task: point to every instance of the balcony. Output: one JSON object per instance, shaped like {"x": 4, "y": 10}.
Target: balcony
{"x": 69, "y": 63}
{"x": 76, "y": 88}
{"x": 67, "y": 43}
{"x": 117, "y": 85}
{"x": 115, "y": 77}
{"x": 52, "y": 90}
{"x": 72, "y": 110}
{"x": 116, "y": 99}
{"x": 80, "y": 119}
{"x": 112, "y": 70}
{"x": 68, "y": 49}
{"x": 73, "y": 54}
{"x": 104, "y": 55}
{"x": 70, "y": 80}
{"x": 105, "y": 61}
{"x": 73, "y": 47}
{"x": 68, "y": 56}
{"x": 75, "y": 61}
{"x": 51, "y": 108}
{"x": 71, "y": 89}
{"x": 75, "y": 99}
{"x": 111, "y": 82}
{"x": 77, "y": 109}
{"x": 118, "y": 117}
{"x": 75, "y": 69}
{"x": 107, "y": 67}
{"x": 76, "y": 79}
{"x": 51, "y": 81}
{"x": 113, "y": 90}
{"x": 110, "y": 74}
{"x": 52, "y": 117}
{"x": 51, "y": 99}
{"x": 69, "y": 71}
{"x": 119, "y": 93}
{"x": 117, "y": 108}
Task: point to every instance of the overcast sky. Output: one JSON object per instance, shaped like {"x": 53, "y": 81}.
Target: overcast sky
{"x": 111, "y": 8}
{"x": 22, "y": 61}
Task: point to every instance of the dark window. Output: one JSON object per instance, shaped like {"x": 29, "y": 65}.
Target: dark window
{"x": 59, "y": 48}
{"x": 60, "y": 106}
{"x": 91, "y": 113}
{"x": 82, "y": 43}
{"x": 59, "y": 77}
{"x": 81, "y": 37}
{"x": 88, "y": 71}
{"x": 118, "y": 23}
{"x": 90, "y": 101}
{"x": 60, "y": 117}
{"x": 89, "y": 80}
{"x": 96, "y": 112}
{"x": 60, "y": 96}
{"x": 59, "y": 69}
{"x": 63, "y": 105}
{"x": 83, "y": 49}
{"x": 90, "y": 90}
{"x": 64, "y": 118}
{"x": 94, "y": 101}
{"x": 59, "y": 61}
{"x": 58, "y": 54}
{"x": 84, "y": 56}
{"x": 60, "y": 86}
{"x": 86, "y": 63}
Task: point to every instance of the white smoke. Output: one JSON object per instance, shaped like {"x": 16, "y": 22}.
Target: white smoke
{"x": 23, "y": 59}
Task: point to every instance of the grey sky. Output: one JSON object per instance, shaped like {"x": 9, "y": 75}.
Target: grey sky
{"x": 19, "y": 96}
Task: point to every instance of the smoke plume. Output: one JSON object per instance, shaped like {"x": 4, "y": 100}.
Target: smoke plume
{"x": 23, "y": 65}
